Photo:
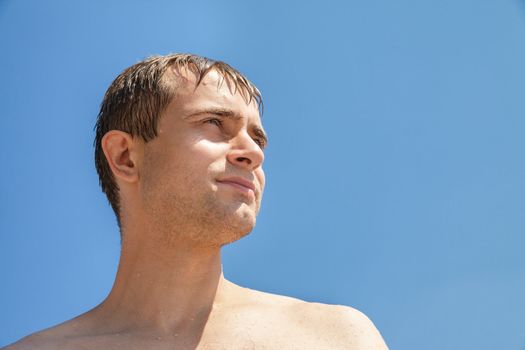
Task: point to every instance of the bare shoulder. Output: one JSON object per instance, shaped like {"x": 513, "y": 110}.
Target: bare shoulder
{"x": 345, "y": 325}
{"x": 337, "y": 326}
{"x": 52, "y": 338}
{"x": 34, "y": 341}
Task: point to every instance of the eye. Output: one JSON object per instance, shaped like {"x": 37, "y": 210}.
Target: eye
{"x": 260, "y": 143}
{"x": 214, "y": 121}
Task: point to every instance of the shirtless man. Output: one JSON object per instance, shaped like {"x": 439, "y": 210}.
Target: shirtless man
{"x": 179, "y": 151}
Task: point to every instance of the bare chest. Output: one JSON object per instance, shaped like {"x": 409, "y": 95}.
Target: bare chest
{"x": 239, "y": 341}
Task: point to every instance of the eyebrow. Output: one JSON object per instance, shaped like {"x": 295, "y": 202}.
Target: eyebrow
{"x": 230, "y": 114}
{"x": 223, "y": 112}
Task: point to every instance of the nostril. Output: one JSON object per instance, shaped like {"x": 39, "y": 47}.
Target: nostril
{"x": 242, "y": 159}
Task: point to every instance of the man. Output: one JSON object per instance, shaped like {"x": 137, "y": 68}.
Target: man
{"x": 179, "y": 150}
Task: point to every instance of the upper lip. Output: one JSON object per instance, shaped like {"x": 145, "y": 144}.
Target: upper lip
{"x": 240, "y": 181}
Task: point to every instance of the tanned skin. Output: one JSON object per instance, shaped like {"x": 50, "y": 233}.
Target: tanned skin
{"x": 183, "y": 198}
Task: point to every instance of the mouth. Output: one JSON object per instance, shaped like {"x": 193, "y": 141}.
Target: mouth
{"x": 240, "y": 184}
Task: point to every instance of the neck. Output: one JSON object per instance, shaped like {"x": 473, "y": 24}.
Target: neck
{"x": 164, "y": 288}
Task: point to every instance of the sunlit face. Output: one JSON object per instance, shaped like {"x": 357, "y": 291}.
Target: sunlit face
{"x": 202, "y": 176}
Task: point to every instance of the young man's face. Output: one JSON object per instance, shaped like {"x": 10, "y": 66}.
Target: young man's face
{"x": 202, "y": 176}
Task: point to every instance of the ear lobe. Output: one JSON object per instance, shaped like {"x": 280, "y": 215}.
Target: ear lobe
{"x": 118, "y": 147}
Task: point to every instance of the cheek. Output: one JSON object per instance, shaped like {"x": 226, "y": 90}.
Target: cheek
{"x": 165, "y": 166}
{"x": 205, "y": 152}
{"x": 184, "y": 164}
{"x": 261, "y": 177}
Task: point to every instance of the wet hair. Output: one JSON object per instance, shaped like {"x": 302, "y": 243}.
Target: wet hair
{"x": 135, "y": 100}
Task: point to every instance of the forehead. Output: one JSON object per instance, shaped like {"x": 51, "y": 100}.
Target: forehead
{"x": 213, "y": 91}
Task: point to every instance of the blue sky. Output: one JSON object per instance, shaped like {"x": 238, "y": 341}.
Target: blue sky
{"x": 395, "y": 169}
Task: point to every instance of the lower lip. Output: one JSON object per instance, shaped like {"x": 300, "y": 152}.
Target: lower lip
{"x": 237, "y": 186}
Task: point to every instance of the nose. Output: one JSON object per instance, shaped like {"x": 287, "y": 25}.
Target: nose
{"x": 245, "y": 152}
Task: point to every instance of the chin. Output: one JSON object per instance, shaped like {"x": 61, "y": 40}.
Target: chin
{"x": 233, "y": 238}
{"x": 218, "y": 223}
{"x": 237, "y": 228}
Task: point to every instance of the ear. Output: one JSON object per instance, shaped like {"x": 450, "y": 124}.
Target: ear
{"x": 121, "y": 152}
